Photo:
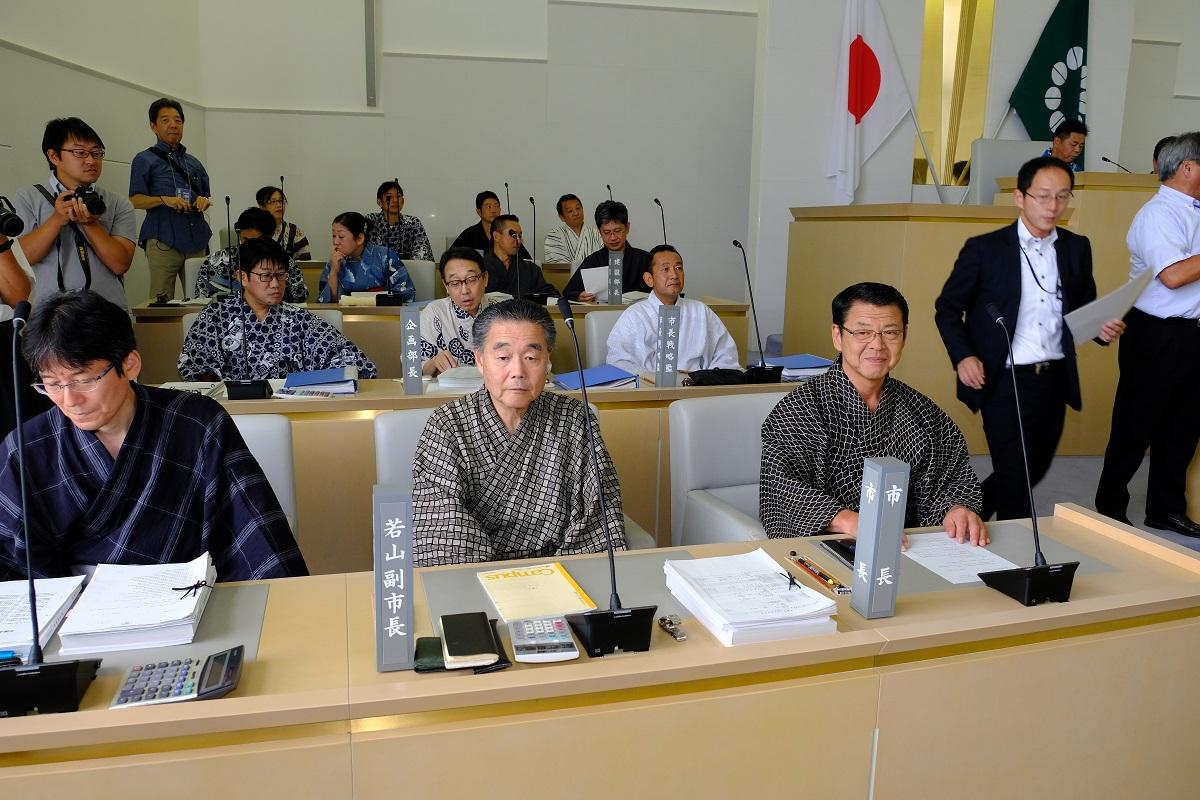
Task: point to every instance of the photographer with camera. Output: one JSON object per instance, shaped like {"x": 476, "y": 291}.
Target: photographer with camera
{"x": 80, "y": 236}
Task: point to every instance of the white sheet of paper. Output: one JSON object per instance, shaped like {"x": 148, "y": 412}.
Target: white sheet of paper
{"x": 595, "y": 280}
{"x": 1085, "y": 322}
{"x": 956, "y": 563}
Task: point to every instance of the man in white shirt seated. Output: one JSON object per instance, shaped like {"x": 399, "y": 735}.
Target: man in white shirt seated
{"x": 704, "y": 342}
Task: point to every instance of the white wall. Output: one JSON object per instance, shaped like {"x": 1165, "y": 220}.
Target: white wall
{"x": 1174, "y": 21}
{"x": 660, "y": 105}
{"x": 470, "y": 28}
{"x": 797, "y": 60}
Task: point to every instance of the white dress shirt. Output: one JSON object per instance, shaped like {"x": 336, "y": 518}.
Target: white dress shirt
{"x": 704, "y": 341}
{"x": 1038, "y": 334}
{"x": 564, "y": 246}
{"x": 1165, "y": 231}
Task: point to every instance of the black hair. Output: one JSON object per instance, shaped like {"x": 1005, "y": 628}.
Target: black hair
{"x": 659, "y": 248}
{"x": 460, "y": 254}
{"x": 498, "y": 223}
{"x": 256, "y": 219}
{"x": 516, "y": 310}
{"x": 1069, "y": 126}
{"x": 386, "y": 187}
{"x": 558, "y": 206}
{"x": 356, "y": 223}
{"x": 1032, "y": 167}
{"x": 264, "y": 194}
{"x": 485, "y": 195}
{"x": 259, "y": 251}
{"x": 77, "y": 327}
{"x": 59, "y": 130}
{"x": 165, "y": 102}
{"x": 873, "y": 294}
{"x": 612, "y": 211}
{"x": 1163, "y": 142}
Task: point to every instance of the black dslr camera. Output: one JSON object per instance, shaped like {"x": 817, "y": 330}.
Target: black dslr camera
{"x": 10, "y": 224}
{"x": 92, "y": 200}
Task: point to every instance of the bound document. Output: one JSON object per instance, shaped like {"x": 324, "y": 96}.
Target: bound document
{"x": 54, "y": 597}
{"x": 338, "y": 380}
{"x": 129, "y": 607}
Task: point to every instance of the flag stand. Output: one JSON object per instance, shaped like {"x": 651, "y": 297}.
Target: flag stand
{"x": 928, "y": 160}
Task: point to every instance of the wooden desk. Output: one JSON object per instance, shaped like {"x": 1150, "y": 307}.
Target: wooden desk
{"x": 333, "y": 444}
{"x": 159, "y": 334}
{"x": 969, "y": 694}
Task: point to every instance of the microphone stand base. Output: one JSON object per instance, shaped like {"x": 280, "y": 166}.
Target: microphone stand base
{"x": 1032, "y": 585}
{"x": 764, "y": 374}
{"x": 602, "y": 631}
{"x": 45, "y": 688}
{"x": 248, "y": 390}
{"x": 388, "y": 300}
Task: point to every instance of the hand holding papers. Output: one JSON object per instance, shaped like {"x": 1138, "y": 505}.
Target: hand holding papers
{"x": 1085, "y": 322}
{"x": 955, "y": 562}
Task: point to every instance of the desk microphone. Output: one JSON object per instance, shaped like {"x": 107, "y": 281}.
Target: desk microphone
{"x": 662, "y": 213}
{"x": 533, "y": 228}
{"x": 36, "y": 687}
{"x": 762, "y": 372}
{"x": 609, "y": 187}
{"x": 1028, "y": 585}
{"x": 1108, "y": 160}
{"x": 602, "y": 632}
{"x": 507, "y": 204}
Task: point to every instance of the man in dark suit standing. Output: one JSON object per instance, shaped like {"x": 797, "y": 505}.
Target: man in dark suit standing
{"x": 1034, "y": 272}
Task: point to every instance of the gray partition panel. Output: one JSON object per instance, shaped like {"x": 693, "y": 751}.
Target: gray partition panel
{"x": 233, "y": 616}
{"x": 640, "y": 582}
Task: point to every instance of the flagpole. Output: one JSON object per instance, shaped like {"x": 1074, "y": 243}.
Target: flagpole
{"x": 928, "y": 160}
{"x": 1003, "y": 120}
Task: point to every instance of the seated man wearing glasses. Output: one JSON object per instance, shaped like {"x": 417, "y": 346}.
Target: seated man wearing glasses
{"x": 446, "y": 323}
{"x": 123, "y": 473}
{"x": 1033, "y": 273}
{"x": 254, "y": 335}
{"x": 815, "y": 439}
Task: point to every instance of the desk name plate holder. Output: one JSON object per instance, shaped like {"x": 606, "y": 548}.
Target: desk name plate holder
{"x": 410, "y": 359}
{"x": 666, "y": 361}
{"x": 881, "y": 506}
{"x": 616, "y": 276}
{"x": 392, "y": 507}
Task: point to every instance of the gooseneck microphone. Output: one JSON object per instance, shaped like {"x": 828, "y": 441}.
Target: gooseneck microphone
{"x": 1028, "y": 585}
{"x": 241, "y": 389}
{"x": 231, "y": 241}
{"x": 1108, "y": 160}
{"x": 36, "y": 687}
{"x": 761, "y": 372}
{"x": 516, "y": 260}
{"x": 609, "y": 187}
{"x": 533, "y": 229}
{"x": 507, "y": 204}
{"x": 662, "y": 214}
{"x": 600, "y": 631}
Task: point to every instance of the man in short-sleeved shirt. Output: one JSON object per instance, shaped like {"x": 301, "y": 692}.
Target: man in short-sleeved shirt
{"x": 60, "y": 224}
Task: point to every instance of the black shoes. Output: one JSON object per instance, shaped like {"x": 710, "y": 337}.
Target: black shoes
{"x": 1179, "y": 523}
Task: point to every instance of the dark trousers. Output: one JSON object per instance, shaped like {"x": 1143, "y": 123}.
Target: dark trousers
{"x": 1155, "y": 407}
{"x": 1043, "y": 408}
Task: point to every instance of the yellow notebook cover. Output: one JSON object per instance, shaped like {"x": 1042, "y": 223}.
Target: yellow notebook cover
{"x": 538, "y": 590}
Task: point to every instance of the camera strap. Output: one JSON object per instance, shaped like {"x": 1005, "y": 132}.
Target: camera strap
{"x": 175, "y": 167}
{"x": 81, "y": 246}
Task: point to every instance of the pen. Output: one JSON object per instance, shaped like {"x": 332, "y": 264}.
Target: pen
{"x": 814, "y": 569}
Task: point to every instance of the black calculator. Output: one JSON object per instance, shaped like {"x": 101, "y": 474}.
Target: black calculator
{"x": 179, "y": 679}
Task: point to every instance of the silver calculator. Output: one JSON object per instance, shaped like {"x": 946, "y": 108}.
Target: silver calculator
{"x": 542, "y": 639}
{"x": 179, "y": 679}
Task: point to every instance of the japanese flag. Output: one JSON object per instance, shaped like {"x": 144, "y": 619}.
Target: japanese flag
{"x": 870, "y": 96}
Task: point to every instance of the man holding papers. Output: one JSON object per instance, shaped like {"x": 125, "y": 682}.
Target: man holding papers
{"x": 123, "y": 473}
{"x": 704, "y": 342}
{"x": 1155, "y": 405}
{"x": 1033, "y": 272}
{"x": 814, "y": 442}
{"x": 507, "y": 472}
{"x": 254, "y": 335}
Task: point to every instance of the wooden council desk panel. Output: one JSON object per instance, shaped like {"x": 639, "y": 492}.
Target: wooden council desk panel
{"x": 950, "y": 683}
{"x": 376, "y": 331}
{"x": 333, "y": 443}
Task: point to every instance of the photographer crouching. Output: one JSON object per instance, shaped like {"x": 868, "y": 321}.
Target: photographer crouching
{"x": 80, "y": 236}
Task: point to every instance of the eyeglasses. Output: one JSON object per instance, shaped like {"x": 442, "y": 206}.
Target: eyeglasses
{"x": 470, "y": 280}
{"x": 82, "y": 154}
{"x": 1062, "y": 198}
{"x": 277, "y": 200}
{"x": 270, "y": 277}
{"x": 866, "y": 336}
{"x": 85, "y": 385}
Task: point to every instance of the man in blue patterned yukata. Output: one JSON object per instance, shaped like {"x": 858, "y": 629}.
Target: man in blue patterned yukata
{"x": 254, "y": 335}
{"x": 123, "y": 473}
{"x": 446, "y": 323}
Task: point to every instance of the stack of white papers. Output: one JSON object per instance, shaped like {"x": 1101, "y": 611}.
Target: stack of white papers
{"x": 748, "y": 598}
{"x": 54, "y": 597}
{"x": 466, "y": 377}
{"x": 130, "y": 607}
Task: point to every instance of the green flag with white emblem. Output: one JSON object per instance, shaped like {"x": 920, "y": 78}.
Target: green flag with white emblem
{"x": 1053, "y": 86}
